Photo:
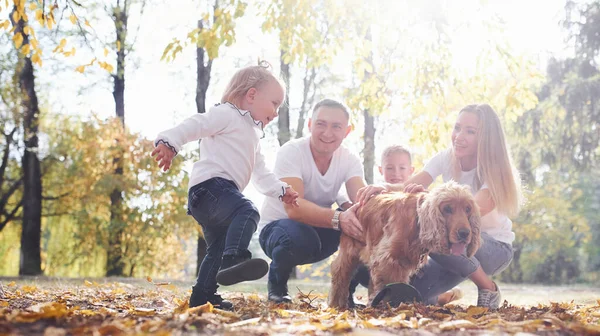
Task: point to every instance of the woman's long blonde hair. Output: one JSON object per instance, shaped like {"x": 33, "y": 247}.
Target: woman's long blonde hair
{"x": 246, "y": 78}
{"x": 494, "y": 163}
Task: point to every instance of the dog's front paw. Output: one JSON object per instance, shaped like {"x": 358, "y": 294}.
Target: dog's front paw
{"x": 338, "y": 301}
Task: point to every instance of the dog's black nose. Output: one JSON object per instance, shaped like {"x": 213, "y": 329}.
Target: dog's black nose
{"x": 463, "y": 233}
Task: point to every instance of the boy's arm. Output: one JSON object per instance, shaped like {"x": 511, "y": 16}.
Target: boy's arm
{"x": 199, "y": 126}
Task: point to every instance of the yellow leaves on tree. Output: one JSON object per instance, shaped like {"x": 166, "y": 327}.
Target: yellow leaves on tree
{"x": 25, "y": 39}
{"x": 307, "y": 29}
{"x": 218, "y": 29}
{"x": 76, "y": 235}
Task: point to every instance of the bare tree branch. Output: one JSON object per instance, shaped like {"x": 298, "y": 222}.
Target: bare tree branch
{"x": 4, "y": 163}
{"x": 54, "y": 198}
{"x": 9, "y": 192}
{"x": 9, "y": 216}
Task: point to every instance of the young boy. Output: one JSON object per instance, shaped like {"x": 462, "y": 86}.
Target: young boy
{"x": 396, "y": 164}
{"x": 396, "y": 167}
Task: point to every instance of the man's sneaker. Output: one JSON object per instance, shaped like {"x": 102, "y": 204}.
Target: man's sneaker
{"x": 278, "y": 293}
{"x": 235, "y": 269}
{"x": 199, "y": 298}
{"x": 488, "y": 298}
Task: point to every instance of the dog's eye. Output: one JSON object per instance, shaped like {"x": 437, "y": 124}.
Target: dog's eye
{"x": 468, "y": 209}
{"x": 448, "y": 209}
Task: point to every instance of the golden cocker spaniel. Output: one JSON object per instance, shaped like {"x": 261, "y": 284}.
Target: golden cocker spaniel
{"x": 401, "y": 229}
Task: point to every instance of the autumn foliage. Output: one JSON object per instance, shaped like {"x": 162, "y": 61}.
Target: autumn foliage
{"x": 88, "y": 307}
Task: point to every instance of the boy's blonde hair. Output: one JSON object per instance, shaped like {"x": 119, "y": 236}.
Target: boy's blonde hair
{"x": 246, "y": 78}
{"x": 494, "y": 163}
{"x": 393, "y": 149}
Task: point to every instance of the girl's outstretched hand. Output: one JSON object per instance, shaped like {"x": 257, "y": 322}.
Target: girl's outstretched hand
{"x": 290, "y": 196}
{"x": 164, "y": 156}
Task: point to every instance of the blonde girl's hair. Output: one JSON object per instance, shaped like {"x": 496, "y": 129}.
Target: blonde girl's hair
{"x": 393, "y": 149}
{"x": 254, "y": 76}
{"x": 494, "y": 163}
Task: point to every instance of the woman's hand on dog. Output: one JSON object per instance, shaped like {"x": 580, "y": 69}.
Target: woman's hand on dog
{"x": 350, "y": 225}
{"x": 369, "y": 191}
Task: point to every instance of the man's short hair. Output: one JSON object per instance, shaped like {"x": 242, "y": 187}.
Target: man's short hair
{"x": 332, "y": 104}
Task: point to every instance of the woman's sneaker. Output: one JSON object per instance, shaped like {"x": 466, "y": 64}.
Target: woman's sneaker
{"x": 488, "y": 298}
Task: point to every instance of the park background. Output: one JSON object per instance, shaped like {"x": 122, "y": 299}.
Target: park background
{"x": 85, "y": 87}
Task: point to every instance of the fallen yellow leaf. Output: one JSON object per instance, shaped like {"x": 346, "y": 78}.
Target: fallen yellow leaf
{"x": 473, "y": 311}
{"x": 205, "y": 308}
{"x": 110, "y": 330}
{"x": 29, "y": 289}
{"x": 458, "y": 324}
{"x": 182, "y": 307}
{"x": 245, "y": 322}
{"x": 143, "y": 311}
{"x": 254, "y": 297}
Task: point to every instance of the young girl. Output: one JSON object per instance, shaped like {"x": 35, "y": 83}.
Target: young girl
{"x": 229, "y": 158}
{"x": 480, "y": 158}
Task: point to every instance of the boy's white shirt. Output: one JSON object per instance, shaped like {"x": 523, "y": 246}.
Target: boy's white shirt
{"x": 295, "y": 159}
{"x": 494, "y": 223}
{"x": 229, "y": 149}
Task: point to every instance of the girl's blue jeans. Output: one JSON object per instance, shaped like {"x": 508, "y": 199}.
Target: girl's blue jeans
{"x": 228, "y": 220}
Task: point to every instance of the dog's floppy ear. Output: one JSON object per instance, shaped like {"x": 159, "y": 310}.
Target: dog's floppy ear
{"x": 432, "y": 222}
{"x": 475, "y": 221}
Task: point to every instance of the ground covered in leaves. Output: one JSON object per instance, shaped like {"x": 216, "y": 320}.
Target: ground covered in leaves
{"x": 117, "y": 308}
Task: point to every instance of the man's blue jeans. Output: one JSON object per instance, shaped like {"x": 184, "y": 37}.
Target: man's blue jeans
{"x": 290, "y": 243}
{"x": 228, "y": 220}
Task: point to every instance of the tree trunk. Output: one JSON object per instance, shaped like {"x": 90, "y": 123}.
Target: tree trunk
{"x": 283, "y": 135}
{"x": 369, "y": 148}
{"x": 202, "y": 76}
{"x": 202, "y": 81}
{"x": 369, "y": 134}
{"x": 31, "y": 261}
{"x": 309, "y": 80}
{"x": 115, "y": 263}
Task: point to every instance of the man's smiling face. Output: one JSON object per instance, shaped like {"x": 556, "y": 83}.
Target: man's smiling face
{"x": 328, "y": 127}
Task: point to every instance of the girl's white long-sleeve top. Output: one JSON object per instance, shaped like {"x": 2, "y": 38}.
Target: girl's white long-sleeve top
{"x": 229, "y": 148}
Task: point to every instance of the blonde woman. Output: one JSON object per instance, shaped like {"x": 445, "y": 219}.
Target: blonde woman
{"x": 479, "y": 157}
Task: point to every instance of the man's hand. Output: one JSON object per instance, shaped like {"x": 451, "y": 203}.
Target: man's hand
{"x": 290, "y": 196}
{"x": 369, "y": 191}
{"x": 164, "y": 156}
{"x": 350, "y": 225}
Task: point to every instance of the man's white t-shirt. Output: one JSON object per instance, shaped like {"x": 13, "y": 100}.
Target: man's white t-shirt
{"x": 496, "y": 224}
{"x": 295, "y": 159}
